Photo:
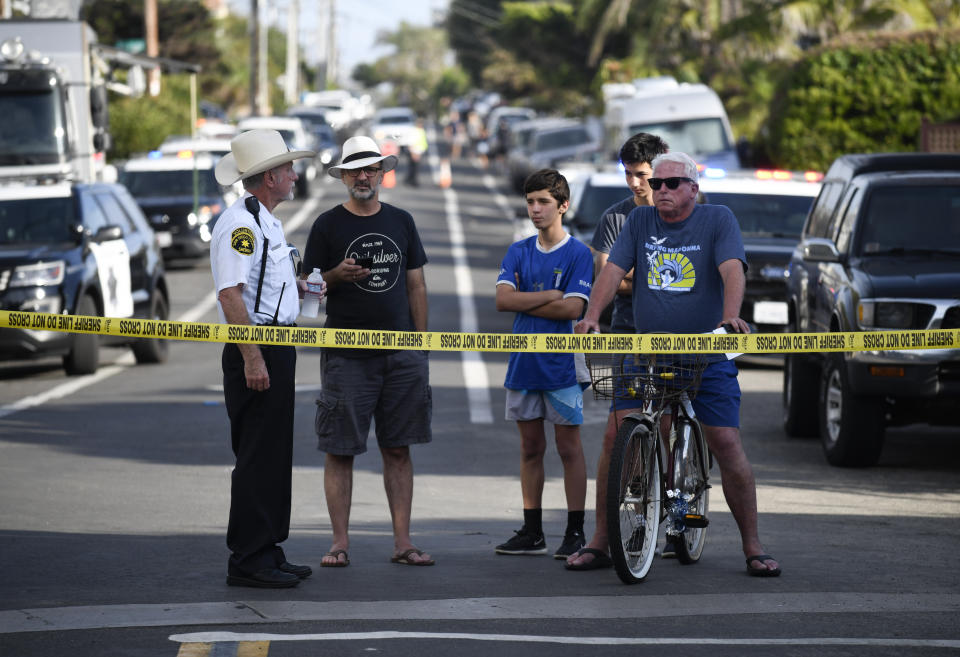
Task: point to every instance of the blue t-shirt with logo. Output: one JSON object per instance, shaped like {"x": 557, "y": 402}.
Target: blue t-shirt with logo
{"x": 568, "y": 266}
{"x": 677, "y": 287}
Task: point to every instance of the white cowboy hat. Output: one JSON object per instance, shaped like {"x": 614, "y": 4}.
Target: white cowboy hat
{"x": 253, "y": 152}
{"x": 360, "y": 152}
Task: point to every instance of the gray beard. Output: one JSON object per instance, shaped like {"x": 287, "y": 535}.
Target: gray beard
{"x": 362, "y": 195}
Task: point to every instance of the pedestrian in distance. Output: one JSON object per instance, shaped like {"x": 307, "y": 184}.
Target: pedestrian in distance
{"x": 636, "y": 156}
{"x": 545, "y": 279}
{"x": 693, "y": 265}
{"x": 372, "y": 258}
{"x": 255, "y": 282}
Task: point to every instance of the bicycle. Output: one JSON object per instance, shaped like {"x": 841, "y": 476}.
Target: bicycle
{"x": 649, "y": 480}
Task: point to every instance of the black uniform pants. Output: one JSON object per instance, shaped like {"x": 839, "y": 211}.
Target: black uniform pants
{"x": 261, "y": 429}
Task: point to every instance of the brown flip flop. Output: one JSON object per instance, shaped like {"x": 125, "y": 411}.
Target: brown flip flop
{"x": 404, "y": 558}
{"x": 336, "y": 555}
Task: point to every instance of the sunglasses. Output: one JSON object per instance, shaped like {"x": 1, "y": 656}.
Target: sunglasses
{"x": 671, "y": 183}
{"x": 370, "y": 171}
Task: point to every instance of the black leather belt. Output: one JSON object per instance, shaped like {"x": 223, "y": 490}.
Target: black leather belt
{"x": 280, "y": 325}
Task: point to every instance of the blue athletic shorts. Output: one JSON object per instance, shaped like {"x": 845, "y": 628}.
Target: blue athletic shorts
{"x": 717, "y": 402}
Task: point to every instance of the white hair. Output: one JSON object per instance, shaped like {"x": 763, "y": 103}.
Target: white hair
{"x": 689, "y": 166}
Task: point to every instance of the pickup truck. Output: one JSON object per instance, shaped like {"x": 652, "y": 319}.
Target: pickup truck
{"x": 880, "y": 250}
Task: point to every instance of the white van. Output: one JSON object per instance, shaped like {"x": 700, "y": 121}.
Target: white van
{"x": 689, "y": 117}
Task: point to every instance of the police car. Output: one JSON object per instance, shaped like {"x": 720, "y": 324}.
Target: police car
{"x": 78, "y": 249}
{"x": 771, "y": 206}
{"x": 180, "y": 196}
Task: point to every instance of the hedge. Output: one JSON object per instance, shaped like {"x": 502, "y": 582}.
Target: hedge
{"x": 867, "y": 93}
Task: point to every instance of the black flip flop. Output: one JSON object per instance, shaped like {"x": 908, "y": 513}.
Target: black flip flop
{"x": 600, "y": 560}
{"x": 761, "y": 572}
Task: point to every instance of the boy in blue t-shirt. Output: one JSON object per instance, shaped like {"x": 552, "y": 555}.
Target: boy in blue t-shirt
{"x": 545, "y": 280}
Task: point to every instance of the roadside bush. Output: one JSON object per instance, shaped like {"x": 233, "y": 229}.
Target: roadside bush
{"x": 867, "y": 93}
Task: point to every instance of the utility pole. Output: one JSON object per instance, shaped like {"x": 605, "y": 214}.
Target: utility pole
{"x": 264, "y": 95}
{"x": 152, "y": 40}
{"x": 292, "y": 77}
{"x": 332, "y": 64}
{"x": 254, "y": 53}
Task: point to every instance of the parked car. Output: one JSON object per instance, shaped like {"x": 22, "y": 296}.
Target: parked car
{"x": 78, "y": 249}
{"x": 181, "y": 198}
{"x": 394, "y": 124}
{"x": 544, "y": 143}
{"x": 880, "y": 251}
{"x": 298, "y": 137}
{"x": 325, "y": 139}
{"x": 771, "y": 207}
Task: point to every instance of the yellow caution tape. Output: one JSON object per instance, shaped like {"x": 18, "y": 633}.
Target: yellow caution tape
{"x": 754, "y": 343}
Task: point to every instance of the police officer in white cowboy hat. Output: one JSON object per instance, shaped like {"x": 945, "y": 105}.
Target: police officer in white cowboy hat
{"x": 256, "y": 283}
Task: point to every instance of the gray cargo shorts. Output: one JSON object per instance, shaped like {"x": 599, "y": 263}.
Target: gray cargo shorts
{"x": 393, "y": 390}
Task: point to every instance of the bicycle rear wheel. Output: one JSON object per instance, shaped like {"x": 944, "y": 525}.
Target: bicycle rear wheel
{"x": 633, "y": 500}
{"x": 690, "y": 463}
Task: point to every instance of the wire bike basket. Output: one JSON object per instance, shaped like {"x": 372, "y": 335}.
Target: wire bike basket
{"x": 650, "y": 377}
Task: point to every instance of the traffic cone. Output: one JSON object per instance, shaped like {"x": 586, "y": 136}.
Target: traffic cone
{"x": 446, "y": 177}
{"x": 390, "y": 177}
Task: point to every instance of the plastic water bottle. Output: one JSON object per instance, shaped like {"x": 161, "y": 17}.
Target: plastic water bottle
{"x": 311, "y": 298}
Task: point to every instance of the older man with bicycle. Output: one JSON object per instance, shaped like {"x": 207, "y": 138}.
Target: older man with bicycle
{"x": 695, "y": 263}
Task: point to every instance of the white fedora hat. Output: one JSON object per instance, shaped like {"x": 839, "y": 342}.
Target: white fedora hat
{"x": 360, "y": 152}
{"x": 253, "y": 152}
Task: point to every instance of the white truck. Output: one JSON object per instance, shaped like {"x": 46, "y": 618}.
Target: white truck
{"x": 689, "y": 117}
{"x": 53, "y": 101}
{"x": 54, "y": 78}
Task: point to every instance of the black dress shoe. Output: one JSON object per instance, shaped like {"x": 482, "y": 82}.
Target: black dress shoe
{"x": 268, "y": 578}
{"x": 302, "y": 572}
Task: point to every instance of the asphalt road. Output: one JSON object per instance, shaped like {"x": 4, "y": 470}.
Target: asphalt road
{"x": 114, "y": 498}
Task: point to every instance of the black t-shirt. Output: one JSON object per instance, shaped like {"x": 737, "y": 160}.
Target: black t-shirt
{"x": 389, "y": 237}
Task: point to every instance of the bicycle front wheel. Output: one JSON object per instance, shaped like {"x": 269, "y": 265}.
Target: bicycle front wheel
{"x": 633, "y": 499}
{"x": 690, "y": 463}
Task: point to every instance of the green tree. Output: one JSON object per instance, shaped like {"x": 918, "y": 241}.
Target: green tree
{"x": 417, "y": 68}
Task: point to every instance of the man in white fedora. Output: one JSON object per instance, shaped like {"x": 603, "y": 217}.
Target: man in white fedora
{"x": 372, "y": 258}
{"x": 255, "y": 282}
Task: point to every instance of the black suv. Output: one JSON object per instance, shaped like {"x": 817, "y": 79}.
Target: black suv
{"x": 181, "y": 197}
{"x": 880, "y": 250}
{"x": 78, "y": 249}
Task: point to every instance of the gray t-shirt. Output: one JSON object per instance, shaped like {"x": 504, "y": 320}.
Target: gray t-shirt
{"x": 677, "y": 286}
{"x": 611, "y": 223}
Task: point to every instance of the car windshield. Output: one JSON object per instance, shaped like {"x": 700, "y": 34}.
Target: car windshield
{"x": 147, "y": 184}
{"x": 595, "y": 200}
{"x": 394, "y": 119}
{"x": 37, "y": 221}
{"x": 696, "y": 136}
{"x": 912, "y": 219}
{"x": 560, "y": 139}
{"x": 32, "y": 131}
{"x": 766, "y": 215}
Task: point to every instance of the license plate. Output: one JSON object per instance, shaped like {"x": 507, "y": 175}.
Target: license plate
{"x": 770, "y": 312}
{"x": 164, "y": 239}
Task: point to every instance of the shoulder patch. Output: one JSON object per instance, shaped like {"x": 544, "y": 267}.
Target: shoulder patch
{"x": 242, "y": 241}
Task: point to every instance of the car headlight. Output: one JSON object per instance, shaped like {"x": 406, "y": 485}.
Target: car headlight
{"x": 42, "y": 304}
{"x": 39, "y": 274}
{"x": 326, "y": 157}
{"x": 886, "y": 315}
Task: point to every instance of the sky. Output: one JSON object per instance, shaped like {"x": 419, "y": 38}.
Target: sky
{"x": 358, "y": 23}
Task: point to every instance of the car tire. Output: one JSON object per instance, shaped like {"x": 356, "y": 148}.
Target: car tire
{"x": 851, "y": 426}
{"x": 84, "y": 354}
{"x": 153, "y": 350}
{"x": 800, "y": 397}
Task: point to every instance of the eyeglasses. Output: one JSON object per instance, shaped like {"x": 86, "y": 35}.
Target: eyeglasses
{"x": 370, "y": 171}
{"x": 671, "y": 183}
